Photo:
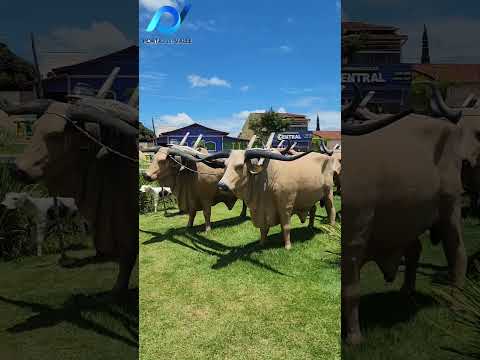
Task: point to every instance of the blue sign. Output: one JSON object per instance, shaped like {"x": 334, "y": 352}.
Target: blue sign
{"x": 302, "y": 138}
{"x": 178, "y": 19}
{"x": 391, "y": 82}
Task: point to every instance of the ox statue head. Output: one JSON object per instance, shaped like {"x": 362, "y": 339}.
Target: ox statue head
{"x": 58, "y": 145}
{"x": 169, "y": 161}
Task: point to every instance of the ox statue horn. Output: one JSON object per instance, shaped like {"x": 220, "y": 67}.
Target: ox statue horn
{"x": 197, "y": 142}
{"x": 267, "y": 154}
{"x": 184, "y": 139}
{"x": 107, "y": 85}
{"x": 349, "y": 109}
{"x": 252, "y": 141}
{"x": 133, "y": 101}
{"x": 452, "y": 115}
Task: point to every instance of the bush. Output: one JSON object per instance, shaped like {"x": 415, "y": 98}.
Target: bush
{"x": 14, "y": 227}
{"x": 145, "y": 203}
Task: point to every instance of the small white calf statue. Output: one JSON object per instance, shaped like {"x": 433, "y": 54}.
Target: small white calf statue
{"x": 157, "y": 193}
{"x": 45, "y": 213}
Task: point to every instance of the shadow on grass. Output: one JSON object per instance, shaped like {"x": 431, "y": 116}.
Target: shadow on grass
{"x": 390, "y": 308}
{"x": 226, "y": 255}
{"x": 72, "y": 311}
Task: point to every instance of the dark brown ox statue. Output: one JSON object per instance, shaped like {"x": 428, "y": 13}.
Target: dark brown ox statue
{"x": 399, "y": 179}
{"x": 63, "y": 153}
{"x": 193, "y": 184}
{"x": 275, "y": 186}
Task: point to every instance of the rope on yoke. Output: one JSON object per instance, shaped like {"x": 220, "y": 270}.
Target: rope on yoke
{"x": 92, "y": 138}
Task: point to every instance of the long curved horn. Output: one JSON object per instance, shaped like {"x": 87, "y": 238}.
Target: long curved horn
{"x": 83, "y": 112}
{"x": 107, "y": 85}
{"x": 435, "y": 110}
{"x": 350, "y": 108}
{"x": 37, "y": 107}
{"x": 219, "y": 155}
{"x": 324, "y": 149}
{"x": 370, "y": 126}
{"x": 445, "y": 110}
{"x": 266, "y": 154}
{"x": 182, "y": 154}
{"x": 133, "y": 101}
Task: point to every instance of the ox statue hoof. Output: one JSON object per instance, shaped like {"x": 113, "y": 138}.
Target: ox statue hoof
{"x": 354, "y": 339}
{"x": 288, "y": 246}
{"x": 208, "y": 228}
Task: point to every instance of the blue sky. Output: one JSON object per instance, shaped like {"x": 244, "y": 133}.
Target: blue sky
{"x": 245, "y": 56}
{"x": 83, "y": 29}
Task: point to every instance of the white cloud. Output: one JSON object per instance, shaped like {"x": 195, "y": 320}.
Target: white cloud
{"x": 244, "y": 88}
{"x": 296, "y": 91}
{"x": 179, "y": 120}
{"x": 207, "y": 25}
{"x": 285, "y": 49}
{"x": 282, "y": 110}
{"x": 68, "y": 46}
{"x": 306, "y": 101}
{"x": 198, "y": 81}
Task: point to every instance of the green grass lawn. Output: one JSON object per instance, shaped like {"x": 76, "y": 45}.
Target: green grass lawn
{"x": 398, "y": 328}
{"x": 12, "y": 149}
{"x": 219, "y": 295}
{"x": 48, "y": 312}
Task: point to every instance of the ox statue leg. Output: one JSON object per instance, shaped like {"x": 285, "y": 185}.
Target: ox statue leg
{"x": 191, "y": 218}
{"x": 311, "y": 221}
{"x": 207, "y": 212}
{"x": 263, "y": 235}
{"x": 155, "y": 202}
{"x": 243, "y": 214}
{"x": 454, "y": 247}
{"x": 411, "y": 263}
{"x": 285, "y": 223}
{"x": 38, "y": 233}
{"x": 351, "y": 298}
{"x": 330, "y": 207}
{"x": 126, "y": 264}
{"x": 355, "y": 235}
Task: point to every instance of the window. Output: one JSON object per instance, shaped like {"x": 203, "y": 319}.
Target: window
{"x": 211, "y": 146}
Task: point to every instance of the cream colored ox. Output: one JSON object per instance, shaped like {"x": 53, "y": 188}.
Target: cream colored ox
{"x": 193, "y": 184}
{"x": 282, "y": 186}
{"x": 399, "y": 179}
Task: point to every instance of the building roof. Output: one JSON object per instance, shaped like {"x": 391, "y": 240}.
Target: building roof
{"x": 160, "y": 130}
{"x": 126, "y": 59}
{"x": 450, "y": 72}
{"x": 356, "y": 26}
{"x": 328, "y": 134}
{"x": 194, "y": 125}
{"x": 375, "y": 37}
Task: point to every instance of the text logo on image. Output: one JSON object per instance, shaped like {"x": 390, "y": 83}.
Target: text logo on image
{"x": 178, "y": 18}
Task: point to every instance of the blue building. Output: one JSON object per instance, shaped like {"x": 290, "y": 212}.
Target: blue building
{"x": 213, "y": 140}
{"x": 93, "y": 73}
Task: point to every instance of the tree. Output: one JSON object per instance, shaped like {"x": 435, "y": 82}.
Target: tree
{"x": 145, "y": 134}
{"x": 267, "y": 123}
